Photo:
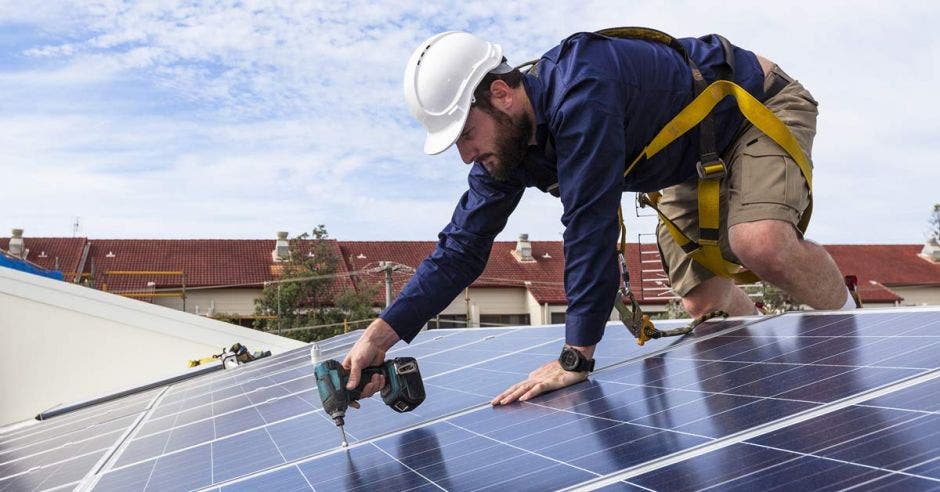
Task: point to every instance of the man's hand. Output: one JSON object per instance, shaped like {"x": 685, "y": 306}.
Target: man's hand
{"x": 369, "y": 350}
{"x": 549, "y": 377}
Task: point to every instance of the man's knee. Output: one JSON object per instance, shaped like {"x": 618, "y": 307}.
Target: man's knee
{"x": 764, "y": 246}
{"x": 707, "y": 296}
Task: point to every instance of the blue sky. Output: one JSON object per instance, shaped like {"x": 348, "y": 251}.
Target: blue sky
{"x": 239, "y": 119}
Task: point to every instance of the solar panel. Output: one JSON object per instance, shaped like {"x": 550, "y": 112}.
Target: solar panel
{"x": 62, "y": 451}
{"x": 825, "y": 399}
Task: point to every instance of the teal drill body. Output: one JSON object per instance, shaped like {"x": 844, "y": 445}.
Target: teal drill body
{"x": 403, "y": 390}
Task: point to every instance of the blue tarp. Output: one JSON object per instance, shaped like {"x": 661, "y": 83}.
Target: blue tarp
{"x": 6, "y": 261}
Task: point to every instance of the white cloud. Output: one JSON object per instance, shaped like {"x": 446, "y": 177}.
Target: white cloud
{"x": 181, "y": 119}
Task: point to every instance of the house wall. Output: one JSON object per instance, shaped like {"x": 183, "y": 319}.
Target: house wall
{"x": 918, "y": 296}
{"x": 510, "y": 300}
{"x": 537, "y": 312}
{"x": 489, "y": 300}
{"x": 230, "y": 301}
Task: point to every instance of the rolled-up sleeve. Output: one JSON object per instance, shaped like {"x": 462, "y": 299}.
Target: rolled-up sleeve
{"x": 461, "y": 254}
{"x": 589, "y": 137}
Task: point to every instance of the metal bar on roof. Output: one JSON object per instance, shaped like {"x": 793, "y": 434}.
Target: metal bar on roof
{"x": 150, "y": 294}
{"x": 142, "y": 272}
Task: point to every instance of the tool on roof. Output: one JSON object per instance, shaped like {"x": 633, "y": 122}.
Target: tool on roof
{"x": 232, "y": 357}
{"x": 851, "y": 281}
{"x": 403, "y": 390}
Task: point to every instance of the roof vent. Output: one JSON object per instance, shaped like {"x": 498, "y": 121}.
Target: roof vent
{"x": 523, "y": 251}
{"x": 281, "y": 248}
{"x": 547, "y": 256}
{"x": 931, "y": 251}
{"x": 17, "y": 247}
{"x": 361, "y": 256}
{"x": 110, "y": 254}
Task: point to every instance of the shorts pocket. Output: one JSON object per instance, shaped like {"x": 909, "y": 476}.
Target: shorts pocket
{"x": 769, "y": 175}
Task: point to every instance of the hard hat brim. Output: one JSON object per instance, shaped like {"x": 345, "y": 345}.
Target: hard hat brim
{"x": 439, "y": 141}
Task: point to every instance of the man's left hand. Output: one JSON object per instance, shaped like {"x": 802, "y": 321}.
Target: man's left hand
{"x": 549, "y": 377}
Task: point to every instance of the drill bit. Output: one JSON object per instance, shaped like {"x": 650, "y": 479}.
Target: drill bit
{"x": 343, "y": 432}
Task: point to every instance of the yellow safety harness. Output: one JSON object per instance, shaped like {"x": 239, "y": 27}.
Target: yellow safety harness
{"x": 711, "y": 169}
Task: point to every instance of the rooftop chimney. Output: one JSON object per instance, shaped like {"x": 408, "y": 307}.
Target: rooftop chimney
{"x": 523, "y": 251}
{"x": 17, "y": 247}
{"x": 281, "y": 248}
{"x": 930, "y": 252}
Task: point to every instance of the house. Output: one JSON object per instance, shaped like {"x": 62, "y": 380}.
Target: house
{"x": 522, "y": 283}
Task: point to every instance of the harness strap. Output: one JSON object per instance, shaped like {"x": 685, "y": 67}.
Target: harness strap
{"x": 706, "y": 251}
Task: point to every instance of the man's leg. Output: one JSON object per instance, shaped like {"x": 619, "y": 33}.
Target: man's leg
{"x": 772, "y": 250}
{"x": 701, "y": 291}
{"x": 718, "y": 294}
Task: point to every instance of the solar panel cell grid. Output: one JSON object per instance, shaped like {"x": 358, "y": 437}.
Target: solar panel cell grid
{"x": 706, "y": 399}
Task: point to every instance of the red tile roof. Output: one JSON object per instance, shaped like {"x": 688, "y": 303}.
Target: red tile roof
{"x": 46, "y": 251}
{"x": 893, "y": 265}
{"x": 874, "y": 292}
{"x": 248, "y": 263}
{"x": 205, "y": 262}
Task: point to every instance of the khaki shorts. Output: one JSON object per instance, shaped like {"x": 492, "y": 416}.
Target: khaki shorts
{"x": 763, "y": 183}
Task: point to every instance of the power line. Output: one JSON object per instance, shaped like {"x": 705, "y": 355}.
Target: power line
{"x": 512, "y": 282}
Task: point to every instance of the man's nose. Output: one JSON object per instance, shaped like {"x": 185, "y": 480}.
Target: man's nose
{"x": 467, "y": 152}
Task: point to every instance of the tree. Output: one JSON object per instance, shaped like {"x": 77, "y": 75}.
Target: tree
{"x": 307, "y": 294}
{"x": 934, "y": 233}
{"x": 674, "y": 310}
{"x": 777, "y": 301}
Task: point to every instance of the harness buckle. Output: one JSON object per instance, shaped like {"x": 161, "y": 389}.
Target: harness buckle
{"x": 713, "y": 167}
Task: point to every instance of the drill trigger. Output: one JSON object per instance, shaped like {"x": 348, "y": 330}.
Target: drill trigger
{"x": 364, "y": 377}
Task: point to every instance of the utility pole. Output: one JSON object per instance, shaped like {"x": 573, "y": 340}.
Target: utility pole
{"x": 388, "y": 282}
{"x": 466, "y": 293}
{"x": 388, "y": 267}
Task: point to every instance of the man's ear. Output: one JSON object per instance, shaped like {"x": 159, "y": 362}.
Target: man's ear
{"x": 501, "y": 95}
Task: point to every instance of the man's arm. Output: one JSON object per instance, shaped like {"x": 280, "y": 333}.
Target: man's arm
{"x": 462, "y": 252}
{"x": 589, "y": 140}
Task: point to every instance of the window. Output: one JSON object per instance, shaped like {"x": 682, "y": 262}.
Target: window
{"x": 448, "y": 321}
{"x": 559, "y": 318}
{"x": 504, "y": 320}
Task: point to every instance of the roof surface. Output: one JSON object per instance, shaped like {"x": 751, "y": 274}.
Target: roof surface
{"x": 892, "y": 265}
{"x": 53, "y": 253}
{"x": 248, "y": 263}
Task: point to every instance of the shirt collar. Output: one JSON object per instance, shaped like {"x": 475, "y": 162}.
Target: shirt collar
{"x": 536, "y": 93}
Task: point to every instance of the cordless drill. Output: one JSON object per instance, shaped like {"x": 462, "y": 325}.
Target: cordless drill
{"x": 403, "y": 390}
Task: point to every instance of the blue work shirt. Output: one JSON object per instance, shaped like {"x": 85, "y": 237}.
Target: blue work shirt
{"x": 597, "y": 101}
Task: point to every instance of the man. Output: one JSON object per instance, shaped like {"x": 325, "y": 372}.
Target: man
{"x": 571, "y": 126}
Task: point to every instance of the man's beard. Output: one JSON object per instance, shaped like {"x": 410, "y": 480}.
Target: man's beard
{"x": 512, "y": 143}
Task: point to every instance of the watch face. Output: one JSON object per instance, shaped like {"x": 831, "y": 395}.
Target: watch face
{"x": 569, "y": 359}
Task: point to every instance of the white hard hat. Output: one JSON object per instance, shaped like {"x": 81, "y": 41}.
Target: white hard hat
{"x": 439, "y": 82}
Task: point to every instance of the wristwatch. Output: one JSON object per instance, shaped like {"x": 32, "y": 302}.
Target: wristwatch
{"x": 573, "y": 360}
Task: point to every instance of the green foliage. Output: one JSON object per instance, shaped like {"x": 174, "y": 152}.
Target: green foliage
{"x": 777, "y": 301}
{"x": 310, "y": 300}
{"x": 674, "y": 310}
